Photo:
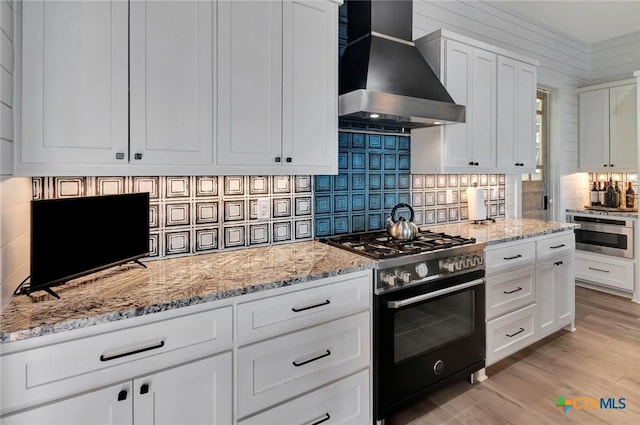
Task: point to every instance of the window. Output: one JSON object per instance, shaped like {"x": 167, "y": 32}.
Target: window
{"x": 541, "y": 138}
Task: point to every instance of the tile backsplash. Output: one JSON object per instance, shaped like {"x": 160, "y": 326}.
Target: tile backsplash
{"x": 200, "y": 214}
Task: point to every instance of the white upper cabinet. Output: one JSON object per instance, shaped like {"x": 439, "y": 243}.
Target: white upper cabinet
{"x": 608, "y": 127}
{"x": 278, "y": 87}
{"x": 74, "y": 82}
{"x": 172, "y": 62}
{"x": 516, "y": 144}
{"x": 498, "y": 89}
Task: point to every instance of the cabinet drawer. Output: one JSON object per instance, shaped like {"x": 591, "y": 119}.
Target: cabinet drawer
{"x": 510, "y": 333}
{"x": 507, "y": 257}
{"x": 280, "y": 368}
{"x": 604, "y": 270}
{"x": 57, "y": 370}
{"x": 510, "y": 291}
{"x": 343, "y": 402}
{"x": 273, "y": 316}
{"x": 555, "y": 247}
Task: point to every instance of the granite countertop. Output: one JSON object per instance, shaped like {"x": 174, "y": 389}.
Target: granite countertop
{"x": 630, "y": 214}
{"x": 129, "y": 290}
{"x": 504, "y": 229}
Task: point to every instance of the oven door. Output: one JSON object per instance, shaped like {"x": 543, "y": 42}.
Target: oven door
{"x": 425, "y": 335}
{"x": 605, "y": 236}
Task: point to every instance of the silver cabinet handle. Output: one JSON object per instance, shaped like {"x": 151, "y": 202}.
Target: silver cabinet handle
{"x": 599, "y": 270}
{"x": 424, "y": 297}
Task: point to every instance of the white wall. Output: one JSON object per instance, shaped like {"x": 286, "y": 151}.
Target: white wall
{"x": 15, "y": 193}
{"x": 615, "y": 59}
{"x": 564, "y": 66}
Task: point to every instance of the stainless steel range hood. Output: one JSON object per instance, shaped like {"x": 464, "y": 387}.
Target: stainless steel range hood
{"x": 383, "y": 77}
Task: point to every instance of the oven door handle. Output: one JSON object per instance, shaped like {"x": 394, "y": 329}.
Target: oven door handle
{"x": 434, "y": 294}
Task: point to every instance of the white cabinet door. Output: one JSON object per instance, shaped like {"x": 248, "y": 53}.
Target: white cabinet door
{"x": 526, "y": 117}
{"x": 623, "y": 132}
{"x": 482, "y": 135}
{"x": 74, "y": 82}
{"x": 457, "y": 80}
{"x": 109, "y": 406}
{"x": 594, "y": 130}
{"x": 249, "y": 83}
{"x": 310, "y": 84}
{"x": 172, "y": 82}
{"x": 555, "y": 294}
{"x": 195, "y": 393}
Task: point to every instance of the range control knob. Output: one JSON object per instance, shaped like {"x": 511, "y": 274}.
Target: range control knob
{"x": 422, "y": 270}
{"x": 448, "y": 265}
{"x": 460, "y": 263}
{"x": 388, "y": 279}
{"x": 405, "y": 277}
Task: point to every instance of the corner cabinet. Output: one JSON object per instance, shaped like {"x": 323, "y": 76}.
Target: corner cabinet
{"x": 178, "y": 87}
{"x": 608, "y": 127}
{"x": 278, "y": 85}
{"x": 498, "y": 89}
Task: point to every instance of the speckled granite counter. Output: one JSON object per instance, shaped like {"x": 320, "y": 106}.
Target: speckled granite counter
{"x": 130, "y": 291}
{"x": 504, "y": 229}
{"x": 597, "y": 212}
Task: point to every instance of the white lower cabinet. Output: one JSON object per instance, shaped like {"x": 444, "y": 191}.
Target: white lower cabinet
{"x": 530, "y": 292}
{"x": 343, "y": 402}
{"x": 605, "y": 270}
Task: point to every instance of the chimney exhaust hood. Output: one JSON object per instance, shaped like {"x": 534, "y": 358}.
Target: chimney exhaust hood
{"x": 383, "y": 76}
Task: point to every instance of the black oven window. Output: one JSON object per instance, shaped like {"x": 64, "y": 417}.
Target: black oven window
{"x": 424, "y": 327}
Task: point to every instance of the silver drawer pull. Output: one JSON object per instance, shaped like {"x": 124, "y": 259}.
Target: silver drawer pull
{"x": 324, "y": 418}
{"x": 514, "y": 291}
{"x": 296, "y": 310}
{"x": 512, "y": 258}
{"x": 599, "y": 270}
{"x": 557, "y": 246}
{"x": 514, "y": 334}
{"x": 104, "y": 358}
{"x": 321, "y": 356}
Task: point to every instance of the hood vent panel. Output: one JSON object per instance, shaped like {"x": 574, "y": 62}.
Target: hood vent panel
{"x": 386, "y": 75}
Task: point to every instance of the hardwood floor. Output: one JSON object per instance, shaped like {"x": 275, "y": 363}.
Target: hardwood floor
{"x": 600, "y": 359}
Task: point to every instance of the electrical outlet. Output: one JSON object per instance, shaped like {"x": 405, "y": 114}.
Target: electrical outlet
{"x": 449, "y": 196}
{"x": 263, "y": 208}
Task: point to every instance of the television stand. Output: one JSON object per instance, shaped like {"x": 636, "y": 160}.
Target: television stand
{"x": 51, "y": 292}
{"x": 140, "y": 262}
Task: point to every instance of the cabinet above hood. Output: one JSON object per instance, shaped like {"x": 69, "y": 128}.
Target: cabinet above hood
{"x": 383, "y": 76}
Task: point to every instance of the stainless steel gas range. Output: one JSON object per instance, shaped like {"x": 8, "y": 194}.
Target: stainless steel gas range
{"x": 429, "y": 312}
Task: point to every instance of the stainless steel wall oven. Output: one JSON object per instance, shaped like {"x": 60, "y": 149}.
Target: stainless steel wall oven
{"x": 609, "y": 235}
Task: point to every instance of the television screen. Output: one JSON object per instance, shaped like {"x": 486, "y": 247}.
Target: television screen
{"x": 73, "y": 237}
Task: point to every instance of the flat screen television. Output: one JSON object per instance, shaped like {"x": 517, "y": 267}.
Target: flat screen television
{"x": 73, "y": 237}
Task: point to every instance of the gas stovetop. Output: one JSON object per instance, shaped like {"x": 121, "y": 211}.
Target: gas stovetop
{"x": 380, "y": 245}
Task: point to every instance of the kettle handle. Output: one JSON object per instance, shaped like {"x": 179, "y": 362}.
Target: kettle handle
{"x": 393, "y": 211}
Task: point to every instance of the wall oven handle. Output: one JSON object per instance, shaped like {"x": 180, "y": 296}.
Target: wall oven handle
{"x": 434, "y": 294}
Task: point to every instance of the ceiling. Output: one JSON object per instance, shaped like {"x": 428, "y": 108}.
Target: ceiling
{"x": 589, "y": 21}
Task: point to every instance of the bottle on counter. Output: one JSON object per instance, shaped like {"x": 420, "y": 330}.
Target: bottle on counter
{"x": 595, "y": 197}
{"x": 602, "y": 189}
{"x": 629, "y": 196}
{"x": 610, "y": 196}
{"x": 618, "y": 200}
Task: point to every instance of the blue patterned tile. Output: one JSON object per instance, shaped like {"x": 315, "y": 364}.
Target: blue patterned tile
{"x": 340, "y": 203}
{"x": 403, "y": 162}
{"x": 323, "y": 204}
{"x": 323, "y": 226}
{"x": 403, "y": 143}
{"x": 375, "y": 181}
{"x": 375, "y": 161}
{"x": 390, "y": 143}
{"x": 341, "y": 182}
{"x": 358, "y": 181}
{"x": 358, "y": 202}
{"x": 389, "y": 200}
{"x": 341, "y": 224}
{"x": 389, "y": 161}
{"x": 358, "y": 141}
{"x": 389, "y": 181}
{"x": 375, "y": 221}
{"x": 404, "y": 181}
{"x": 375, "y": 201}
{"x": 343, "y": 160}
{"x": 357, "y": 161}
{"x": 375, "y": 141}
{"x": 323, "y": 183}
{"x": 404, "y": 198}
{"x": 343, "y": 140}
{"x": 358, "y": 223}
